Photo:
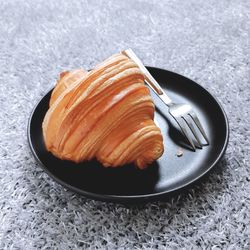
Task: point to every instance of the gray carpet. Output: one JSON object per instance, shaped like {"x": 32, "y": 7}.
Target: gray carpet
{"x": 208, "y": 41}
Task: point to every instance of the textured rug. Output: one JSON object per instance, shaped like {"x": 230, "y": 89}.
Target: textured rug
{"x": 208, "y": 41}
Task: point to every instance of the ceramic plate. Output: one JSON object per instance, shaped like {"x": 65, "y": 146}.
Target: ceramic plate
{"x": 169, "y": 173}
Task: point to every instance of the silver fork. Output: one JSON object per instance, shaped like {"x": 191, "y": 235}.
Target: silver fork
{"x": 182, "y": 113}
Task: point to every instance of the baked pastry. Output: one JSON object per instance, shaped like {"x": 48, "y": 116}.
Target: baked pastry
{"x": 106, "y": 113}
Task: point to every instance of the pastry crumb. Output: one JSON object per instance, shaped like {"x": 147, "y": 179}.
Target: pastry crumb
{"x": 179, "y": 152}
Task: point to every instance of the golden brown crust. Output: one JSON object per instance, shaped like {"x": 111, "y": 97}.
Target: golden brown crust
{"x": 106, "y": 113}
{"x": 65, "y": 80}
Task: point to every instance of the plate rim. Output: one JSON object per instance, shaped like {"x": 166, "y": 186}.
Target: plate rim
{"x": 128, "y": 198}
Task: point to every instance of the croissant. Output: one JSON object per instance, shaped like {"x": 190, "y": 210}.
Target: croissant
{"x": 106, "y": 113}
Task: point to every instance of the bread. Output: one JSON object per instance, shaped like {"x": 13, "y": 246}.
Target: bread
{"x": 106, "y": 113}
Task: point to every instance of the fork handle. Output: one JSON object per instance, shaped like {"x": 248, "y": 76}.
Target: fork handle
{"x": 149, "y": 79}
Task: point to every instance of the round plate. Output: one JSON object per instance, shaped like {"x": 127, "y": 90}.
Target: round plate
{"x": 169, "y": 173}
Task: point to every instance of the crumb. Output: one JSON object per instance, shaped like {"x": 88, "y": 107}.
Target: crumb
{"x": 179, "y": 152}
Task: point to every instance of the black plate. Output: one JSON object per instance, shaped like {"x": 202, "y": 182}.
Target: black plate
{"x": 169, "y": 173}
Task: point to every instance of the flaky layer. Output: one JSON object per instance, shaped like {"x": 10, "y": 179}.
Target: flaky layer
{"x": 106, "y": 114}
